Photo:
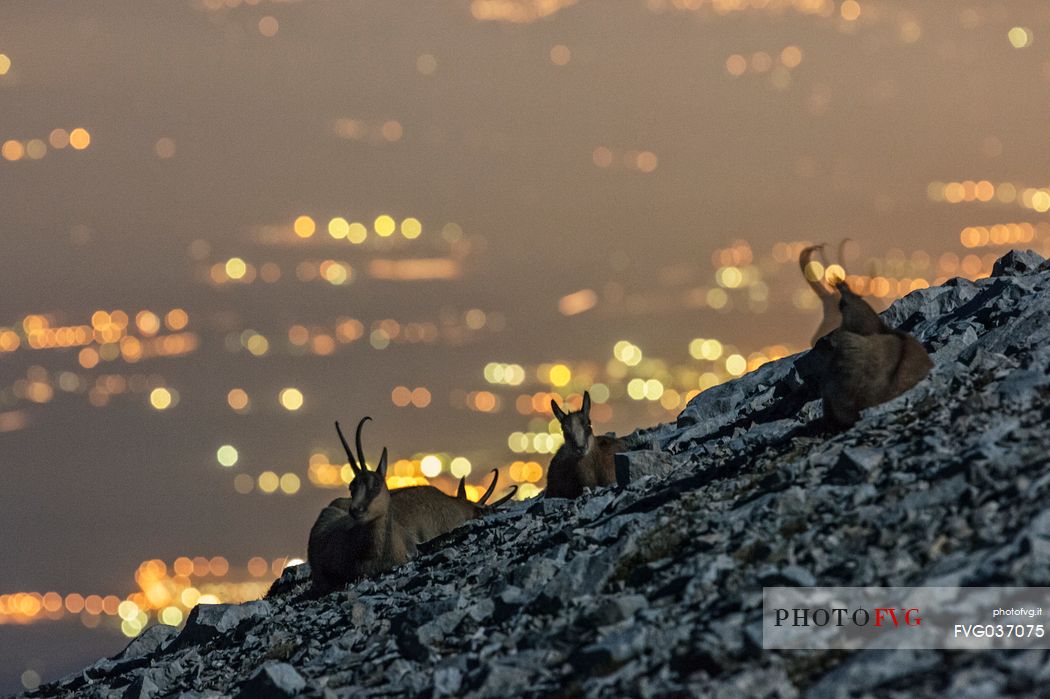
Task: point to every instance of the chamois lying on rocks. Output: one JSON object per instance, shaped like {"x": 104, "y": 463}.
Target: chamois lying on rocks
{"x": 584, "y": 460}
{"x": 864, "y": 362}
{"x": 377, "y": 529}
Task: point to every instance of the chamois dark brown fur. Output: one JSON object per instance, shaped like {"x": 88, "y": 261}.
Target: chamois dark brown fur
{"x": 584, "y": 460}
{"x": 864, "y": 362}
{"x": 377, "y": 529}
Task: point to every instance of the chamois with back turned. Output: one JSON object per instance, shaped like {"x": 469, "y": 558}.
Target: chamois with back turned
{"x": 585, "y": 460}
{"x": 864, "y": 362}
{"x": 377, "y": 529}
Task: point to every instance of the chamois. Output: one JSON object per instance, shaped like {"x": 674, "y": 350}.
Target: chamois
{"x": 356, "y": 536}
{"x": 584, "y": 460}
{"x": 865, "y": 362}
{"x": 377, "y": 529}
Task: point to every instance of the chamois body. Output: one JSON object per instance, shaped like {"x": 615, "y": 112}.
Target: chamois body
{"x": 865, "y": 362}
{"x": 425, "y": 512}
{"x": 342, "y": 548}
{"x": 377, "y": 529}
{"x": 584, "y": 460}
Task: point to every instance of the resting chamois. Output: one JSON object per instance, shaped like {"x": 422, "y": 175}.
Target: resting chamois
{"x": 864, "y": 362}
{"x": 584, "y": 460}
{"x": 377, "y": 529}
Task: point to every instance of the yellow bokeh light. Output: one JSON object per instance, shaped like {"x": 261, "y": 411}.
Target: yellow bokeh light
{"x": 5, "y": 64}
{"x": 291, "y": 398}
{"x": 227, "y": 455}
{"x": 172, "y": 616}
{"x": 356, "y": 233}
{"x": 430, "y": 465}
{"x": 835, "y": 274}
{"x": 304, "y": 226}
{"x": 290, "y": 484}
{"x": 814, "y": 271}
{"x": 384, "y": 225}
{"x": 729, "y": 277}
{"x": 653, "y": 389}
{"x": 627, "y": 352}
{"x": 460, "y": 467}
{"x": 161, "y": 398}
{"x": 736, "y": 364}
{"x": 411, "y": 228}
{"x": 127, "y": 610}
{"x": 717, "y": 298}
{"x": 711, "y": 349}
{"x": 560, "y": 375}
{"x": 338, "y": 227}
{"x": 236, "y": 268}
{"x": 269, "y": 481}
{"x": 1020, "y": 37}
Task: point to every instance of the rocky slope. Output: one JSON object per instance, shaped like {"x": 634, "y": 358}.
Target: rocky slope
{"x": 655, "y": 589}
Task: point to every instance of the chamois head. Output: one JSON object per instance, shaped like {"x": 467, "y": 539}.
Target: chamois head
{"x": 369, "y": 497}
{"x": 857, "y": 316}
{"x": 461, "y": 492}
{"x": 576, "y": 426}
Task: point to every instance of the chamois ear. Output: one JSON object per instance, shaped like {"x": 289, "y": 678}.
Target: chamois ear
{"x": 558, "y": 412}
{"x": 381, "y": 468}
{"x": 492, "y": 486}
{"x": 461, "y": 491}
{"x": 586, "y": 409}
{"x": 508, "y": 496}
{"x": 354, "y": 466}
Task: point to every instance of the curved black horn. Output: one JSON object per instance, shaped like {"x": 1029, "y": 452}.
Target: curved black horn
{"x": 461, "y": 492}
{"x": 349, "y": 454}
{"x": 357, "y": 441}
{"x": 492, "y": 486}
{"x": 508, "y": 496}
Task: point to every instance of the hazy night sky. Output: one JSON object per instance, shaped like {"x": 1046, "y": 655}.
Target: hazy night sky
{"x": 502, "y": 129}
